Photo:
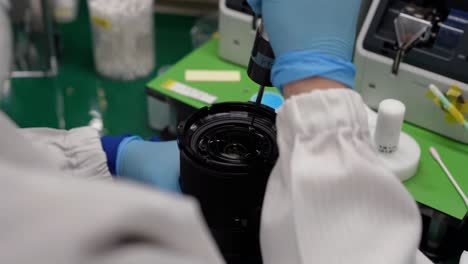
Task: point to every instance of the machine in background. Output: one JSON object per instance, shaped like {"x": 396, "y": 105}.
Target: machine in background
{"x": 34, "y": 38}
{"x": 237, "y": 31}
{"x": 438, "y": 56}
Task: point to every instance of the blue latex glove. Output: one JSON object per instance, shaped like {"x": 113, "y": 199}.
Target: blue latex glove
{"x": 311, "y": 38}
{"x": 152, "y": 163}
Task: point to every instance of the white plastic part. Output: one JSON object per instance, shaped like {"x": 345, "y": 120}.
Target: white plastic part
{"x": 404, "y": 160}
{"x": 464, "y": 258}
{"x": 161, "y": 114}
{"x": 389, "y": 123}
{"x": 236, "y": 35}
{"x": 123, "y": 34}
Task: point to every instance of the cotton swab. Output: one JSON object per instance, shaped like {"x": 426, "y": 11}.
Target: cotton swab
{"x": 437, "y": 157}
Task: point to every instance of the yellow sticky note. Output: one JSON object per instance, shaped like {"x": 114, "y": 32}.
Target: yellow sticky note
{"x": 101, "y": 22}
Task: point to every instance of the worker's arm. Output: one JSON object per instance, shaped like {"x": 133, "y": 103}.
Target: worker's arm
{"x": 311, "y": 84}
{"x": 76, "y": 153}
{"x": 82, "y": 153}
{"x": 49, "y": 218}
{"x": 329, "y": 199}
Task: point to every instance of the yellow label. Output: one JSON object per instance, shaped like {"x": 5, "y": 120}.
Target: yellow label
{"x": 455, "y": 95}
{"x": 168, "y": 84}
{"x": 456, "y": 109}
{"x": 464, "y": 108}
{"x": 101, "y": 22}
{"x": 454, "y": 91}
{"x": 456, "y": 114}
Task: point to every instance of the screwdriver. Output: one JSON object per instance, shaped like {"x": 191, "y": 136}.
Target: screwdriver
{"x": 258, "y": 103}
{"x": 260, "y": 65}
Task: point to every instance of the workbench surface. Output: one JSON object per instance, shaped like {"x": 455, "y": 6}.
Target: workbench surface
{"x": 430, "y": 186}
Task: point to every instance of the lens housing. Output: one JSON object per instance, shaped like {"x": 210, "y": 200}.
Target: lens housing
{"x": 225, "y": 163}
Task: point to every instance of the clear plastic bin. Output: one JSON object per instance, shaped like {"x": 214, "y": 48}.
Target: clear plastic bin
{"x": 123, "y": 35}
{"x": 65, "y": 11}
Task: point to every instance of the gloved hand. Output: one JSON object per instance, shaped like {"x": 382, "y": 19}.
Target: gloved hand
{"x": 153, "y": 163}
{"x": 311, "y": 38}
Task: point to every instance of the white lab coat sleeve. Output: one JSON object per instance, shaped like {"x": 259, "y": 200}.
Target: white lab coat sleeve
{"x": 329, "y": 199}
{"x": 49, "y": 218}
{"x": 75, "y": 153}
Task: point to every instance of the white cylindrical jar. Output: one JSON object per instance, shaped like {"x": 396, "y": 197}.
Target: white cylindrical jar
{"x": 123, "y": 34}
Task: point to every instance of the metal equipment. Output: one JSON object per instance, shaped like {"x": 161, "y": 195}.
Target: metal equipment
{"x": 406, "y": 45}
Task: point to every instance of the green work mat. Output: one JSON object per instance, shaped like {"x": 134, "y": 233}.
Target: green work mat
{"x": 206, "y": 58}
{"x": 430, "y": 186}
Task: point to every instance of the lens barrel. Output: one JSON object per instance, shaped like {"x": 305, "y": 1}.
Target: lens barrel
{"x": 225, "y": 164}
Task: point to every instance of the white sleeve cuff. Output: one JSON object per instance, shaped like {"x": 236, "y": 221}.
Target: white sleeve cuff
{"x": 76, "y": 153}
{"x": 323, "y": 111}
{"x": 329, "y": 198}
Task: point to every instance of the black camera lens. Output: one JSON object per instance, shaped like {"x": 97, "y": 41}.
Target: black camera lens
{"x": 225, "y": 164}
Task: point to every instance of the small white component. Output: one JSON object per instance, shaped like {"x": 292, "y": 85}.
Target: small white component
{"x": 212, "y": 76}
{"x": 398, "y": 151}
{"x": 389, "y": 123}
{"x": 191, "y": 92}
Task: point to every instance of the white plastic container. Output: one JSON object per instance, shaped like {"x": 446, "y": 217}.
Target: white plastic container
{"x": 65, "y": 11}
{"x": 123, "y": 34}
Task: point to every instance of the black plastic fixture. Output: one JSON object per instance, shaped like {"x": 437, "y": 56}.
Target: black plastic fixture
{"x": 261, "y": 60}
{"x": 444, "y": 237}
{"x": 225, "y": 164}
